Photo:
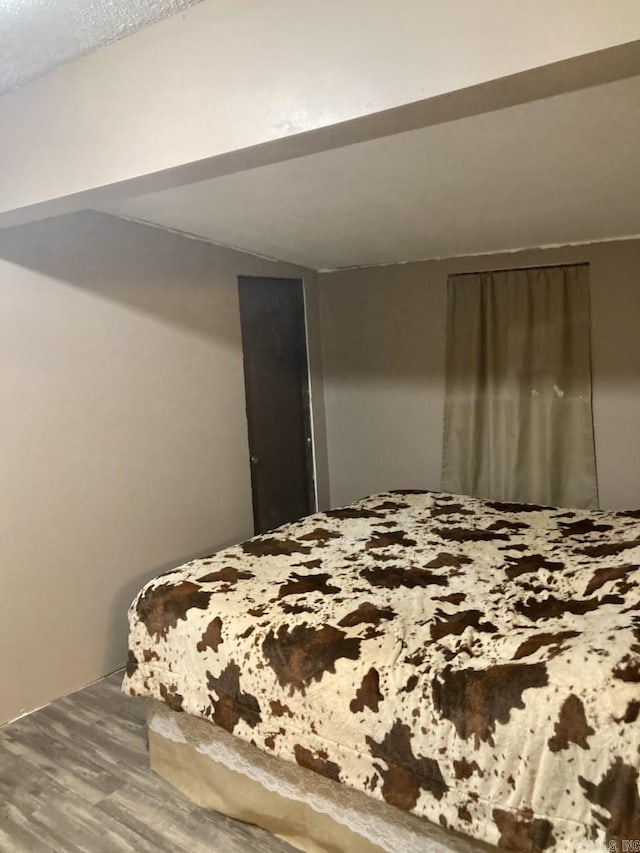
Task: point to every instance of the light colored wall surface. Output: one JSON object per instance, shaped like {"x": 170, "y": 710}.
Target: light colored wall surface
{"x": 183, "y": 89}
{"x": 123, "y": 427}
{"x": 316, "y": 385}
{"x": 384, "y": 330}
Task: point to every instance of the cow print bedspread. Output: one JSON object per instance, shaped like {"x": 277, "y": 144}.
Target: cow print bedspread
{"x": 477, "y": 663}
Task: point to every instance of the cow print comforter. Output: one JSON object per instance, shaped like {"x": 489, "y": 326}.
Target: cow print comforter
{"x": 475, "y": 662}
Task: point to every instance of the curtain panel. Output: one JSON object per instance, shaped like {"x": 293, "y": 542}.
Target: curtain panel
{"x": 518, "y": 423}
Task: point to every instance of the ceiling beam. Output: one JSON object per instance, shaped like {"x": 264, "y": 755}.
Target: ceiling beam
{"x": 104, "y": 128}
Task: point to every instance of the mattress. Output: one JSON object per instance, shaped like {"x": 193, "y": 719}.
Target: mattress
{"x": 472, "y": 662}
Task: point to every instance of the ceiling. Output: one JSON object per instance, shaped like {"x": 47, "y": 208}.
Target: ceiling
{"x": 555, "y": 171}
{"x": 38, "y": 35}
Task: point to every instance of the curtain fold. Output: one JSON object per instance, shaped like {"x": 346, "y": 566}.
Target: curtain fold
{"x": 518, "y": 422}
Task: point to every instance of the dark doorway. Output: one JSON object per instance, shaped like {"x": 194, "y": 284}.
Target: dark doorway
{"x": 277, "y": 393}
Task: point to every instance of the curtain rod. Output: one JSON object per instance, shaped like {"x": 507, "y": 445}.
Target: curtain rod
{"x": 521, "y": 269}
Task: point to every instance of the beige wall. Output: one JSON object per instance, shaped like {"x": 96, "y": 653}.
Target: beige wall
{"x": 383, "y": 333}
{"x": 123, "y": 429}
{"x": 183, "y": 89}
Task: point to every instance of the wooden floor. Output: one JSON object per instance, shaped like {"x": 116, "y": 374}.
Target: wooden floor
{"x": 74, "y": 776}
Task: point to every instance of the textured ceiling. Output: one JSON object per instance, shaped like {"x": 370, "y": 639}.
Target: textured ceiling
{"x": 561, "y": 170}
{"x": 38, "y": 35}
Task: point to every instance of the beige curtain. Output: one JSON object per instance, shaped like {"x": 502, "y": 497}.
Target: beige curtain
{"x": 518, "y": 423}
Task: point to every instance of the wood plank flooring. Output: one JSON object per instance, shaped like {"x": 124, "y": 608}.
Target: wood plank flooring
{"x": 74, "y": 777}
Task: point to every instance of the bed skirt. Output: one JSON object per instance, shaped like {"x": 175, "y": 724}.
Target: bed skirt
{"x": 313, "y": 814}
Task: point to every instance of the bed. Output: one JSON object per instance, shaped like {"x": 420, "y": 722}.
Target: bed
{"x": 463, "y": 671}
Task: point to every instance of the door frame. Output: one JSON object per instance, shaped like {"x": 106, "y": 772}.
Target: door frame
{"x": 310, "y": 436}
